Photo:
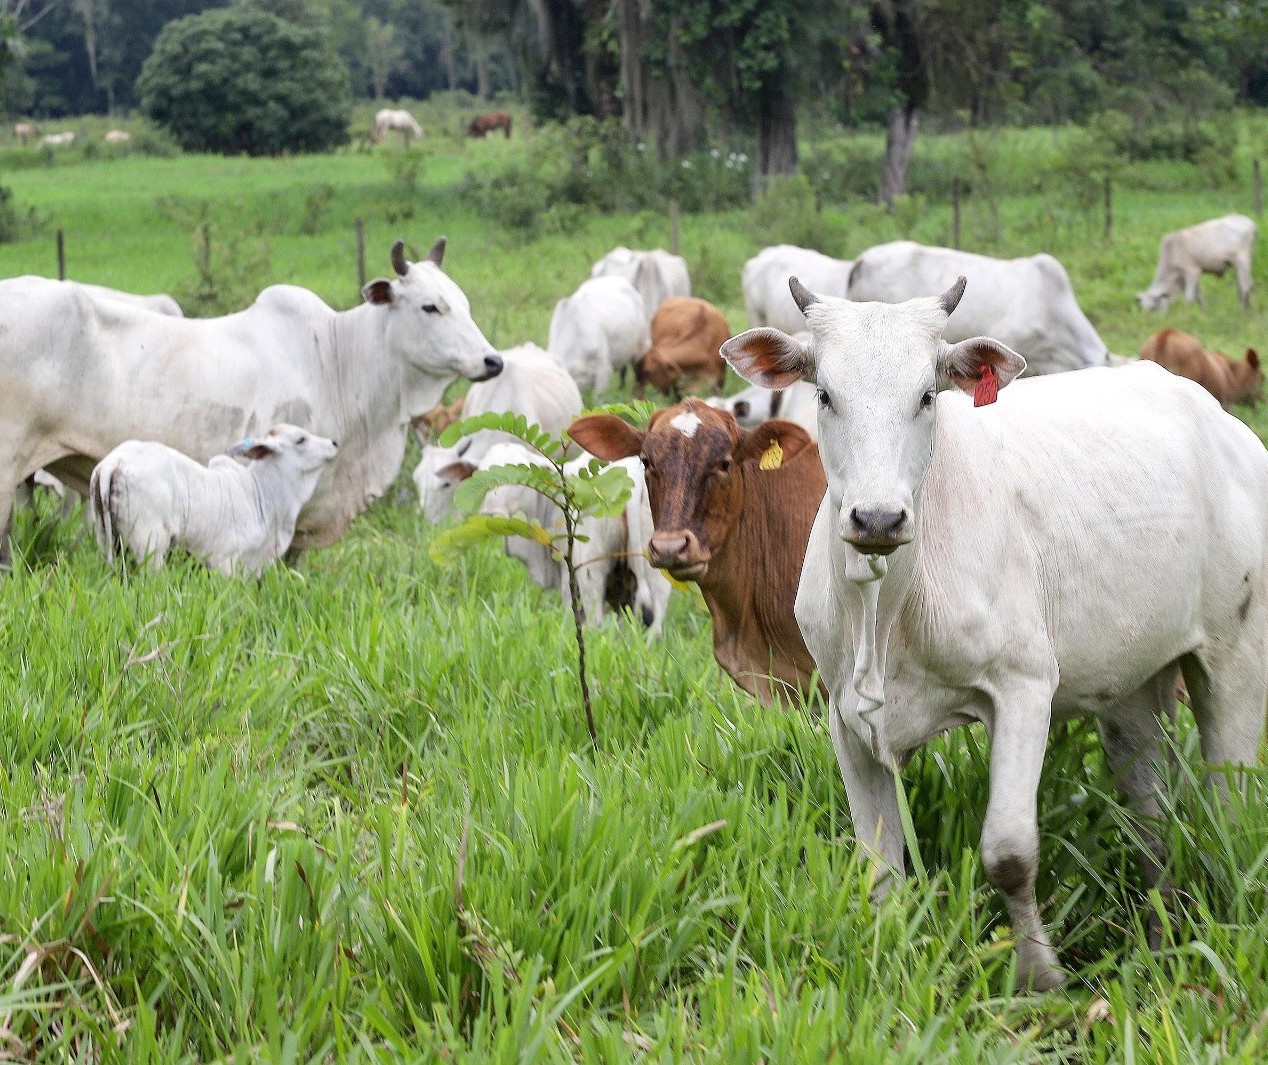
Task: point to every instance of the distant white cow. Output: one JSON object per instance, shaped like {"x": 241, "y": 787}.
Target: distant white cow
{"x": 613, "y": 570}
{"x": 533, "y": 383}
{"x": 656, "y": 275}
{"x": 117, "y": 136}
{"x": 1207, "y": 248}
{"x": 151, "y": 498}
{"x": 764, "y": 281}
{"x": 58, "y": 140}
{"x": 798, "y": 403}
{"x": 1068, "y": 550}
{"x": 388, "y": 119}
{"x": 25, "y": 130}
{"x": 1026, "y": 303}
{"x": 600, "y": 329}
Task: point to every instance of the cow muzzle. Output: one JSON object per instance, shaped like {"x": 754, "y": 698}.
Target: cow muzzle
{"x": 680, "y": 553}
{"x": 492, "y": 367}
{"x": 877, "y": 531}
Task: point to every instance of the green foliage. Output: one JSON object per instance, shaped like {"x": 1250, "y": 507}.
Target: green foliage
{"x": 787, "y": 213}
{"x": 242, "y": 79}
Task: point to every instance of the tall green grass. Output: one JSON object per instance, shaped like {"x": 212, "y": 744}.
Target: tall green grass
{"x": 235, "y": 811}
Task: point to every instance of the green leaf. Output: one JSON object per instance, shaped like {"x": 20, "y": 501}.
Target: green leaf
{"x": 508, "y": 422}
{"x": 602, "y": 494}
{"x": 541, "y": 479}
{"x": 638, "y": 411}
{"x": 451, "y": 543}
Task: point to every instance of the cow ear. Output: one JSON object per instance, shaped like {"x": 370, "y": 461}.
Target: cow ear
{"x": 455, "y": 472}
{"x": 259, "y": 450}
{"x": 772, "y": 443}
{"x": 606, "y": 436}
{"x": 378, "y": 292}
{"x": 769, "y": 358}
{"x": 962, "y": 365}
{"x": 1252, "y": 358}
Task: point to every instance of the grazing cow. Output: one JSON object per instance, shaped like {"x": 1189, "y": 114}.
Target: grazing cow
{"x": 83, "y": 375}
{"x": 1027, "y": 303}
{"x": 600, "y": 329}
{"x": 533, "y": 383}
{"x": 429, "y": 426}
{"x": 764, "y": 281}
{"x": 117, "y": 136}
{"x": 686, "y": 335}
{"x": 58, "y": 140}
{"x": 25, "y": 130}
{"x": 613, "y": 572}
{"x": 798, "y": 404}
{"x": 733, "y": 511}
{"x": 1207, "y": 248}
{"x": 151, "y": 498}
{"x": 1226, "y": 379}
{"x": 1066, "y": 551}
{"x": 388, "y": 119}
{"x": 656, "y": 275}
{"x": 483, "y": 125}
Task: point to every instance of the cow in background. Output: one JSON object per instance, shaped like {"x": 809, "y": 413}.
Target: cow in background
{"x": 686, "y": 335}
{"x": 656, "y": 275}
{"x": 483, "y": 125}
{"x": 1228, "y": 380}
{"x": 402, "y": 121}
{"x": 1207, "y": 248}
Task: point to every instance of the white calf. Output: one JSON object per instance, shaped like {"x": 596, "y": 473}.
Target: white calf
{"x": 150, "y": 497}
{"x": 600, "y": 329}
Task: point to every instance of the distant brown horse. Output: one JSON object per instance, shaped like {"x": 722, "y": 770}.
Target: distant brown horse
{"x": 483, "y": 125}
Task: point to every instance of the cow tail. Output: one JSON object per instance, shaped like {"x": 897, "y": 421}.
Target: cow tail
{"x": 100, "y": 491}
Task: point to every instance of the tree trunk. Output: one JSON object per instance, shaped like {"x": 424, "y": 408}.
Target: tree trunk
{"x": 777, "y": 130}
{"x": 660, "y": 105}
{"x": 564, "y": 31}
{"x": 481, "y": 51}
{"x": 900, "y": 136}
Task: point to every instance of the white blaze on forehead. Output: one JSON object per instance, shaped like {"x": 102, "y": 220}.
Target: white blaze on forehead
{"x": 686, "y": 423}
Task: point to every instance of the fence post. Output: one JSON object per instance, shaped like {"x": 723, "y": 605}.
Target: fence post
{"x": 675, "y": 236}
{"x": 360, "y": 227}
{"x": 1259, "y": 190}
{"x": 955, "y": 211}
{"x": 1109, "y": 206}
{"x": 61, "y": 255}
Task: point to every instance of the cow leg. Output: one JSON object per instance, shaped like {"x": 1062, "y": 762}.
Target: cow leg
{"x": 872, "y": 794}
{"x": 6, "y": 530}
{"x": 1192, "y": 292}
{"x": 1244, "y": 282}
{"x": 1134, "y": 742}
{"x": 1010, "y": 836}
{"x": 1228, "y": 695}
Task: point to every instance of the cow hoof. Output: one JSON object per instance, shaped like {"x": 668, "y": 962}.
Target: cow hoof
{"x": 1040, "y": 979}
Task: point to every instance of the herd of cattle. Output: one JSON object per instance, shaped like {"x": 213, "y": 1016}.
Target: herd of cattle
{"x": 28, "y": 131}
{"x": 388, "y": 119}
{"x": 868, "y": 525}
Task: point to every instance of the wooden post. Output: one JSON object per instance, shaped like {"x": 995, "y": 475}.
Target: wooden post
{"x": 955, "y": 211}
{"x": 1259, "y": 190}
{"x": 675, "y": 235}
{"x": 360, "y": 227}
{"x": 61, "y": 255}
{"x": 1109, "y": 207}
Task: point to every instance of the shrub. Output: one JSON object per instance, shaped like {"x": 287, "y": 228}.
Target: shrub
{"x": 240, "y": 79}
{"x": 786, "y": 213}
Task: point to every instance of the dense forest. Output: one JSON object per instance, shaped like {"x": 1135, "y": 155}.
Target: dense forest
{"x": 674, "y": 70}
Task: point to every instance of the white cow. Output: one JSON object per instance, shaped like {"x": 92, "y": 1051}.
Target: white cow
{"x": 533, "y": 383}
{"x": 83, "y": 375}
{"x": 117, "y": 136}
{"x": 600, "y": 329}
{"x": 388, "y": 119}
{"x": 613, "y": 570}
{"x": 58, "y": 140}
{"x": 798, "y": 404}
{"x": 1027, "y": 303}
{"x": 656, "y": 275}
{"x": 764, "y": 281}
{"x": 1068, "y": 551}
{"x": 159, "y": 303}
{"x": 1207, "y": 248}
{"x": 151, "y": 498}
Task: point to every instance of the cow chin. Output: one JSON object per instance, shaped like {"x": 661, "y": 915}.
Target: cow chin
{"x": 685, "y": 571}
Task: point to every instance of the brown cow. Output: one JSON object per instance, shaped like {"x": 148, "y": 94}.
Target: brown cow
{"x": 438, "y": 419}
{"x": 686, "y": 335}
{"x": 732, "y": 512}
{"x": 1228, "y": 380}
{"x": 483, "y": 125}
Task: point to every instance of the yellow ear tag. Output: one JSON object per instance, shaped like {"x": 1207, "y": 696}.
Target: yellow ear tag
{"x": 772, "y": 457}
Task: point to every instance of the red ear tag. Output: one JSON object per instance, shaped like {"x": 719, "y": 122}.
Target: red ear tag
{"x": 987, "y": 388}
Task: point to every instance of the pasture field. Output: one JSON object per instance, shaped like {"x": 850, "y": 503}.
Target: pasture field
{"x": 235, "y": 812}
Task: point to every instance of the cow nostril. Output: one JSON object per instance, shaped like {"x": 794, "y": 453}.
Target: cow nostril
{"x": 878, "y": 524}
{"x": 493, "y": 363}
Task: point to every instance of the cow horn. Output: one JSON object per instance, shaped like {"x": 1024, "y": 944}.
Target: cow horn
{"x": 950, "y": 299}
{"x": 802, "y": 295}
{"x": 437, "y": 253}
{"x": 399, "y": 263}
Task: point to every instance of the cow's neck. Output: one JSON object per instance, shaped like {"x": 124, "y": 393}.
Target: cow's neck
{"x": 752, "y": 579}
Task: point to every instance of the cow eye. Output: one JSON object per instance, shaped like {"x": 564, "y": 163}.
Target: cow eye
{"x": 725, "y": 465}
{"x": 431, "y": 308}
{"x": 825, "y": 401}
{"x": 302, "y": 440}
{"x": 926, "y": 401}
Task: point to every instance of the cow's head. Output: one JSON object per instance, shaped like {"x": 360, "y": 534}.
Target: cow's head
{"x": 690, "y": 453}
{"x": 878, "y": 368}
{"x": 1248, "y": 379}
{"x": 1154, "y": 299}
{"x": 430, "y": 327}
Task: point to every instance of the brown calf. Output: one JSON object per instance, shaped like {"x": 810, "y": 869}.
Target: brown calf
{"x": 686, "y": 335}
{"x": 732, "y": 511}
{"x": 1228, "y": 380}
{"x": 483, "y": 125}
{"x": 438, "y": 419}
